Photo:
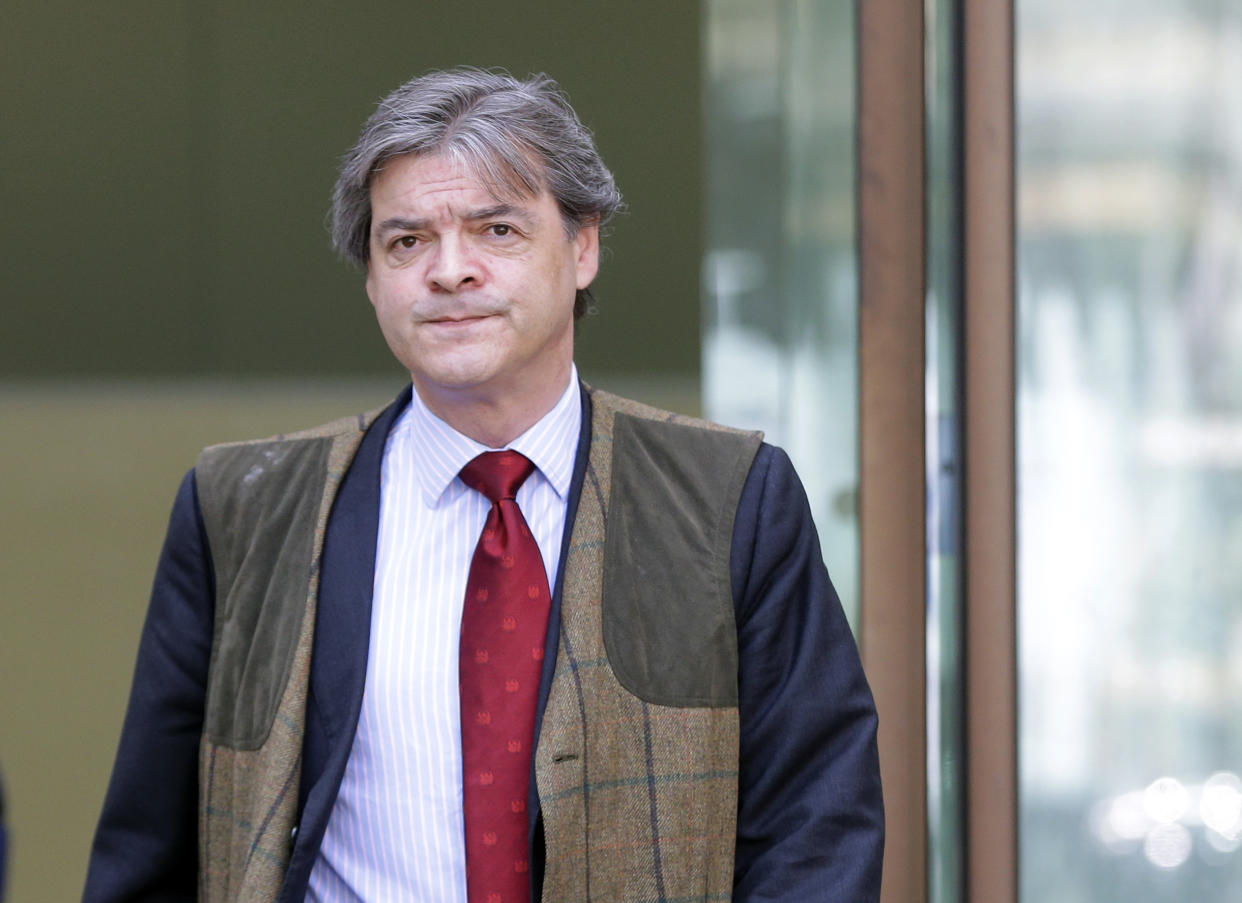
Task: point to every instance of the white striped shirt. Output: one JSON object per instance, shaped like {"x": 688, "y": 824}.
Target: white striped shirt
{"x": 396, "y": 830}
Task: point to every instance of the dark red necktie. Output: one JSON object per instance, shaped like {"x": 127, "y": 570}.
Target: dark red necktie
{"x": 503, "y": 627}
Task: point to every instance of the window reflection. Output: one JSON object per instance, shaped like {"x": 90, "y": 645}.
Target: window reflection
{"x": 945, "y": 733}
{"x": 1130, "y": 449}
{"x": 780, "y": 341}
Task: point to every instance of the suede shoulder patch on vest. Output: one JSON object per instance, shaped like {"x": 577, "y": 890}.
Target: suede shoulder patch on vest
{"x": 261, "y": 504}
{"x": 668, "y": 616}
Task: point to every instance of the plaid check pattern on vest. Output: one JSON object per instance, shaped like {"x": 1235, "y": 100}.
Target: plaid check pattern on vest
{"x": 639, "y": 800}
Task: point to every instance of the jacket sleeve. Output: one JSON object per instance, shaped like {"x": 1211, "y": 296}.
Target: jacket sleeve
{"x": 810, "y": 814}
{"x": 146, "y": 845}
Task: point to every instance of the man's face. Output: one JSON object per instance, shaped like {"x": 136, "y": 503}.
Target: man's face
{"x": 474, "y": 294}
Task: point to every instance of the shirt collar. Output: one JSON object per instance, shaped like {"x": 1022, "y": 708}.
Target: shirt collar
{"x": 440, "y": 452}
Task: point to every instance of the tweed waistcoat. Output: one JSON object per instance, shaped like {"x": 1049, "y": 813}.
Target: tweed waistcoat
{"x": 265, "y": 507}
{"x": 636, "y": 762}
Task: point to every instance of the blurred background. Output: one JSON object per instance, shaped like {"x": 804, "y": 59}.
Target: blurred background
{"x": 168, "y": 283}
{"x": 1130, "y": 454}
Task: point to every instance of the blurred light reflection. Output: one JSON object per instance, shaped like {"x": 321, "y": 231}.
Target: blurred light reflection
{"x": 1167, "y": 846}
{"x": 1165, "y": 800}
{"x": 1221, "y": 805}
{"x": 1129, "y": 253}
{"x": 1164, "y": 818}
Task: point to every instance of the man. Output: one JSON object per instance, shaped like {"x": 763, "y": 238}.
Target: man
{"x": 370, "y": 671}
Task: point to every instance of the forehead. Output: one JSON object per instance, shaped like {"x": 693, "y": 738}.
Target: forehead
{"x": 440, "y": 178}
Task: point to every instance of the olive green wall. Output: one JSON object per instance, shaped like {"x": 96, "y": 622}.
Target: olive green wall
{"x": 167, "y": 168}
{"x": 165, "y": 171}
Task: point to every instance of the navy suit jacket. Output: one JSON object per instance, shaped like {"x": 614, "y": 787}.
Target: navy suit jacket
{"x": 810, "y": 815}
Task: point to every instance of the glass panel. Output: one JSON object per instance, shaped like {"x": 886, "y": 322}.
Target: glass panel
{"x": 1130, "y": 450}
{"x": 945, "y": 739}
{"x": 781, "y": 308}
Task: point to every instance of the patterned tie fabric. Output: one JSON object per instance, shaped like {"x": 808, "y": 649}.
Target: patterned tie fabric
{"x": 503, "y": 627}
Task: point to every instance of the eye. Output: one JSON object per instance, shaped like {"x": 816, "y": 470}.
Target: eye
{"x": 500, "y": 229}
{"x": 406, "y": 241}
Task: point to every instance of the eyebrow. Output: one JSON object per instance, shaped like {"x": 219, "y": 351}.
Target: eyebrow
{"x": 405, "y": 224}
{"x": 401, "y": 224}
{"x": 507, "y": 211}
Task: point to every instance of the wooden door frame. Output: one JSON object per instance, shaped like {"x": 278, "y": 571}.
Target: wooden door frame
{"x": 891, "y": 195}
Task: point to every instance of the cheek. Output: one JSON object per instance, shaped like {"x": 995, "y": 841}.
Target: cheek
{"x": 386, "y": 291}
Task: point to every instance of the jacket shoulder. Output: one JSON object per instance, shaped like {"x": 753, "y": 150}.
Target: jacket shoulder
{"x": 342, "y": 426}
{"x": 264, "y": 506}
{"x": 609, "y": 405}
{"x": 670, "y": 487}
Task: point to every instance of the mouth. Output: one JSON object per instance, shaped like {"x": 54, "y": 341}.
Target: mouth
{"x": 456, "y": 322}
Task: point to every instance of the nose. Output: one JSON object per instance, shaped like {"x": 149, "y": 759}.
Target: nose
{"x": 452, "y": 266}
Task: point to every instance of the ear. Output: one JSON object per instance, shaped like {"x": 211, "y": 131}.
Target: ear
{"x": 586, "y": 250}
{"x": 370, "y": 282}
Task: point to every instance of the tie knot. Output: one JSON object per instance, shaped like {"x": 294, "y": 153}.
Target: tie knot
{"x": 497, "y": 474}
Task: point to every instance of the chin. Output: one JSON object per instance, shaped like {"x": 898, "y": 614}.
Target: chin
{"x": 454, "y": 379}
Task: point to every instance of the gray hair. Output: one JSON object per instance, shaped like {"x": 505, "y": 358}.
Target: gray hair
{"x": 517, "y": 137}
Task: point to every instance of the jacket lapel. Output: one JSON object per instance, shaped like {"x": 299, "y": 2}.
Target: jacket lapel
{"x": 342, "y": 635}
{"x": 554, "y": 637}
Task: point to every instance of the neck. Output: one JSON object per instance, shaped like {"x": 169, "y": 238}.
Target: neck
{"x": 494, "y": 421}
